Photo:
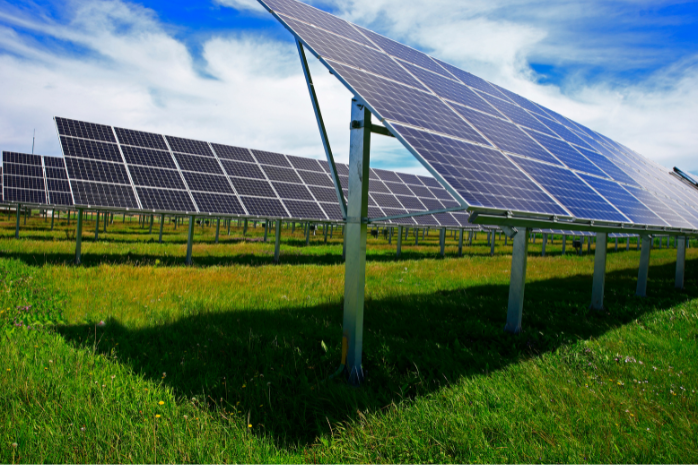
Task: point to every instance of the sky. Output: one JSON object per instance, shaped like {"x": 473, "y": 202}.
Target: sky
{"x": 225, "y": 71}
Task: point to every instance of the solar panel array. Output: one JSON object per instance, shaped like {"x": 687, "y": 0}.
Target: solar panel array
{"x": 124, "y": 168}
{"x": 495, "y": 149}
{"x": 34, "y": 179}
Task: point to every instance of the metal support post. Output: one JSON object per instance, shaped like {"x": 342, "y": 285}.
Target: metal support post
{"x": 390, "y": 235}
{"x": 492, "y": 245}
{"x": 470, "y": 238}
{"x": 399, "y": 241}
{"x": 53, "y": 216}
{"x": 545, "y": 242}
{"x": 589, "y": 245}
{"x": 324, "y": 231}
{"x": 97, "y": 227}
{"x": 564, "y": 243}
{"x": 517, "y": 284}
{"x": 190, "y": 240}
{"x": 78, "y": 239}
{"x": 460, "y": 243}
{"x": 218, "y": 228}
{"x": 244, "y": 228}
{"x": 152, "y": 220}
{"x": 599, "y": 283}
{"x": 416, "y": 236}
{"x": 277, "y": 241}
{"x": 644, "y": 266}
{"x": 266, "y": 229}
{"x": 19, "y": 213}
{"x": 680, "y": 262}
{"x": 355, "y": 267}
{"x": 307, "y": 233}
{"x": 162, "y": 224}
{"x": 229, "y": 221}
{"x": 616, "y": 244}
{"x": 26, "y": 211}
{"x": 442, "y": 242}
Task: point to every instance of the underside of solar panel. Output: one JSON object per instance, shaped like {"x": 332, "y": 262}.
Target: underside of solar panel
{"x": 497, "y": 152}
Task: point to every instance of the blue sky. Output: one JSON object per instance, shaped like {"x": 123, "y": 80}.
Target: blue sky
{"x": 225, "y": 71}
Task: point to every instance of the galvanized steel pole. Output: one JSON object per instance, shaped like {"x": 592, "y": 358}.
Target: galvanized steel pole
{"x": 190, "y": 241}
{"x": 680, "y": 262}
{"x": 78, "y": 239}
{"x": 519, "y": 259}
{"x": 643, "y": 273}
{"x": 355, "y": 238}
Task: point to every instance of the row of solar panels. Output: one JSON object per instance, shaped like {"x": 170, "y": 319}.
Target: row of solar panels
{"x": 105, "y": 167}
{"x": 493, "y": 148}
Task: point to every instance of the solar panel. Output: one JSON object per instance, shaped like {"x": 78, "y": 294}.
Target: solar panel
{"x": 492, "y": 147}
{"x": 23, "y": 178}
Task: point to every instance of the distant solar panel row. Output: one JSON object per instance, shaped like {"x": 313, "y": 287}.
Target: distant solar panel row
{"x": 123, "y": 168}
{"x": 496, "y": 149}
{"x": 34, "y": 179}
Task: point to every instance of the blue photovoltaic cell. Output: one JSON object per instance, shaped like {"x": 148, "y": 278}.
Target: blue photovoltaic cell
{"x": 57, "y": 185}
{"x": 521, "y": 101}
{"x": 243, "y": 170}
{"x": 14, "y": 169}
{"x": 421, "y": 191}
{"x": 307, "y": 164}
{"x": 373, "y": 186}
{"x": 56, "y": 173}
{"x": 451, "y": 90}
{"x": 90, "y": 149}
{"x": 410, "y": 179}
{"x": 293, "y": 191}
{"x": 21, "y": 159}
{"x": 195, "y": 147}
{"x": 403, "y": 52}
{"x": 316, "y": 179}
{"x": 396, "y": 102}
{"x": 659, "y": 207}
{"x": 54, "y": 162}
{"x": 506, "y": 136}
{"x": 67, "y": 127}
{"x": 156, "y": 177}
{"x": 227, "y": 152}
{"x": 432, "y": 204}
{"x": 336, "y": 48}
{"x": 264, "y": 207}
{"x": 332, "y": 211}
{"x": 567, "y": 154}
{"x": 623, "y": 200}
{"x": 471, "y": 80}
{"x": 608, "y": 167}
{"x": 565, "y": 133}
{"x": 429, "y": 182}
{"x": 24, "y": 195}
{"x": 146, "y": 157}
{"x": 386, "y": 200}
{"x": 324, "y": 194}
{"x": 24, "y": 182}
{"x": 207, "y": 183}
{"x": 165, "y": 200}
{"x": 103, "y": 195}
{"x": 61, "y": 198}
{"x": 218, "y": 203}
{"x": 140, "y": 139}
{"x": 281, "y": 174}
{"x": 518, "y": 115}
{"x": 253, "y": 187}
{"x": 91, "y": 170}
{"x": 449, "y": 219}
{"x": 571, "y": 192}
{"x": 385, "y": 175}
{"x": 271, "y": 158}
{"x": 318, "y": 18}
{"x": 198, "y": 164}
{"x": 488, "y": 179}
{"x": 397, "y": 188}
{"x": 304, "y": 210}
{"x": 411, "y": 203}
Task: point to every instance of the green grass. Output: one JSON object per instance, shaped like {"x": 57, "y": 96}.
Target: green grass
{"x": 239, "y": 351}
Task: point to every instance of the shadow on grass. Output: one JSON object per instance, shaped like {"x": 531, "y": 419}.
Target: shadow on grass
{"x": 270, "y": 365}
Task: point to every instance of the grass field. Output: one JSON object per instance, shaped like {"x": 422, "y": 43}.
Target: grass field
{"x": 229, "y": 360}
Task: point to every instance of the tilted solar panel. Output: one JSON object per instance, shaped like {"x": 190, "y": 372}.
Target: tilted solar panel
{"x": 493, "y": 149}
{"x": 141, "y": 170}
